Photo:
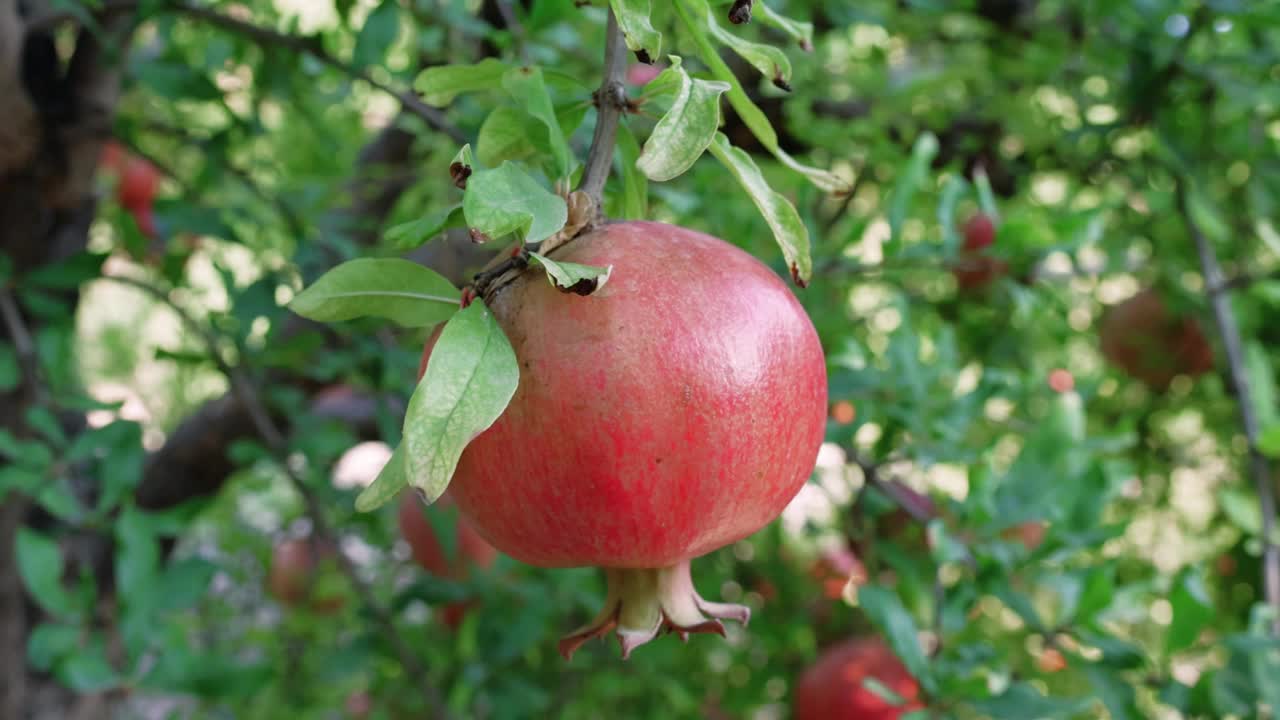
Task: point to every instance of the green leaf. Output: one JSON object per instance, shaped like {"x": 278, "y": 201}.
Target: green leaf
{"x": 526, "y": 87}
{"x": 10, "y": 370}
{"x": 687, "y": 128}
{"x": 390, "y": 481}
{"x": 1115, "y": 692}
{"x": 986, "y": 198}
{"x": 508, "y": 200}
{"x": 440, "y": 85}
{"x": 915, "y": 174}
{"x": 572, "y": 277}
{"x": 1023, "y": 701}
{"x": 51, "y": 642}
{"x": 637, "y": 29}
{"x": 766, "y": 59}
{"x": 410, "y": 235}
{"x": 398, "y": 290}
{"x": 464, "y": 156}
{"x": 883, "y": 691}
{"x": 379, "y": 32}
{"x": 1192, "y": 611}
{"x": 635, "y": 186}
{"x": 470, "y": 378}
{"x": 1262, "y": 383}
{"x": 1269, "y": 440}
{"x": 40, "y": 564}
{"x": 788, "y": 229}
{"x": 885, "y": 610}
{"x": 801, "y": 32}
{"x": 1264, "y": 659}
{"x": 748, "y": 111}
{"x": 502, "y": 137}
{"x": 88, "y": 671}
{"x": 42, "y": 420}
{"x": 951, "y": 194}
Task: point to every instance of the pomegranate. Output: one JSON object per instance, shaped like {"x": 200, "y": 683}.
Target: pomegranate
{"x": 977, "y": 269}
{"x": 295, "y": 567}
{"x": 136, "y": 183}
{"x": 470, "y": 550}
{"x": 1143, "y": 338}
{"x": 676, "y": 410}
{"x": 832, "y": 688}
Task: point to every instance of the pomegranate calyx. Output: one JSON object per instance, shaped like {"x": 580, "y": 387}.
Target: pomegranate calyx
{"x": 645, "y": 602}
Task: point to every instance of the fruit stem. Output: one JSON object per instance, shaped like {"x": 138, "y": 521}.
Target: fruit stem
{"x": 643, "y": 602}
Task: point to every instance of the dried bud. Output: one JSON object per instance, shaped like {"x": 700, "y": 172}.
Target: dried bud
{"x": 740, "y": 13}
{"x": 478, "y": 237}
{"x": 644, "y": 57}
{"x": 459, "y": 173}
{"x": 795, "y": 277}
{"x": 781, "y": 84}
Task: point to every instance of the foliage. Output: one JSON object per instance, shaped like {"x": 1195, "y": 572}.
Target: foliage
{"x": 1102, "y": 136}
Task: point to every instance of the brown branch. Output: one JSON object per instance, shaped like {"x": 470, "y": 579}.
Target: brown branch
{"x": 23, "y": 344}
{"x": 266, "y": 429}
{"x": 1229, "y": 331}
{"x": 610, "y": 101}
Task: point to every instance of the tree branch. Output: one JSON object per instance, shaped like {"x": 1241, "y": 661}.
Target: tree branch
{"x": 1229, "y": 330}
{"x": 610, "y": 101}
{"x": 267, "y": 430}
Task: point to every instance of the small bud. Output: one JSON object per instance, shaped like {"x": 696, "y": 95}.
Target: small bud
{"x": 795, "y": 277}
{"x": 643, "y": 56}
{"x": 781, "y": 84}
{"x": 468, "y": 296}
{"x": 478, "y": 237}
{"x": 740, "y": 13}
{"x": 459, "y": 173}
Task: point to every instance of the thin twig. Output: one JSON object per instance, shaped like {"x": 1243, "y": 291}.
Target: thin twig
{"x": 243, "y": 387}
{"x": 23, "y": 345}
{"x": 611, "y": 102}
{"x": 1229, "y": 330}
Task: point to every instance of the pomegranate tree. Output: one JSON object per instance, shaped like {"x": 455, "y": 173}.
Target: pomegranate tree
{"x": 833, "y": 687}
{"x": 676, "y": 410}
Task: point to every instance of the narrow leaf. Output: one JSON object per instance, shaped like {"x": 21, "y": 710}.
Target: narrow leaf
{"x": 440, "y": 85}
{"x": 801, "y": 32}
{"x": 507, "y": 200}
{"x": 686, "y": 130}
{"x": 637, "y": 29}
{"x": 885, "y": 610}
{"x": 986, "y": 198}
{"x": 904, "y": 190}
{"x": 768, "y": 60}
{"x": 390, "y": 481}
{"x": 1262, "y": 383}
{"x": 398, "y": 290}
{"x": 572, "y": 277}
{"x": 788, "y": 229}
{"x": 527, "y": 88}
{"x": 410, "y": 235}
{"x": 635, "y": 186}
{"x": 469, "y": 380}
{"x": 951, "y": 194}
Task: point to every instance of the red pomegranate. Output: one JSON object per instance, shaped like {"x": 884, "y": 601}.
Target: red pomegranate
{"x": 296, "y": 565}
{"x": 470, "y": 550}
{"x": 676, "y": 410}
{"x": 832, "y": 688}
{"x": 1143, "y": 338}
{"x": 976, "y": 268}
{"x": 137, "y": 181}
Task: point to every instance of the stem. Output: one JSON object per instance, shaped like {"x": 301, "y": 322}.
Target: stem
{"x": 23, "y": 344}
{"x": 1229, "y": 330}
{"x": 610, "y": 101}
{"x": 247, "y": 393}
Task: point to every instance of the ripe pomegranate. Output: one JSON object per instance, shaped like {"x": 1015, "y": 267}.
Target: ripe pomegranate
{"x": 470, "y": 550}
{"x": 836, "y": 568}
{"x": 976, "y": 268}
{"x": 676, "y": 410}
{"x": 136, "y": 183}
{"x": 832, "y": 689}
{"x": 1030, "y": 534}
{"x": 1143, "y": 338}
{"x": 296, "y": 565}
{"x": 641, "y": 74}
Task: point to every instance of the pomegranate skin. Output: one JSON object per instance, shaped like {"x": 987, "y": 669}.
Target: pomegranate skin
{"x": 674, "y": 411}
{"x": 832, "y": 689}
{"x": 1145, "y": 339}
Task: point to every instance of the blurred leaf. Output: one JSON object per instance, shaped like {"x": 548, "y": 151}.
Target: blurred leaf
{"x": 1192, "y": 611}
{"x": 769, "y": 61}
{"x": 633, "y": 20}
{"x": 410, "y": 235}
{"x": 886, "y": 612}
{"x": 687, "y": 128}
{"x": 1115, "y": 692}
{"x": 1269, "y": 440}
{"x": 469, "y": 380}
{"x": 441, "y": 84}
{"x": 1024, "y": 702}
{"x": 41, "y": 566}
{"x": 572, "y": 277}
{"x": 1262, "y": 385}
{"x": 88, "y": 671}
{"x": 67, "y": 274}
{"x": 380, "y": 30}
{"x": 51, "y": 642}
{"x": 502, "y": 137}
{"x": 986, "y": 198}
{"x": 507, "y": 200}
{"x": 909, "y": 182}
{"x": 399, "y": 290}
{"x": 635, "y": 186}
{"x": 389, "y": 482}
{"x": 788, "y": 230}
